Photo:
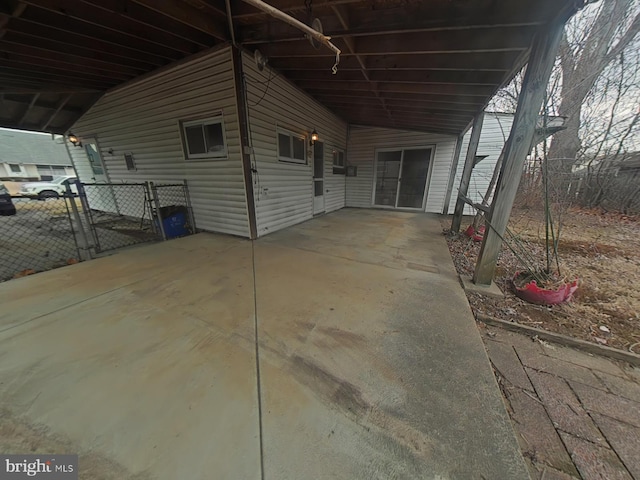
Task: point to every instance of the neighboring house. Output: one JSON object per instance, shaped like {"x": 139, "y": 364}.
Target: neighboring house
{"x": 29, "y": 156}
{"x": 191, "y": 131}
{"x": 623, "y": 164}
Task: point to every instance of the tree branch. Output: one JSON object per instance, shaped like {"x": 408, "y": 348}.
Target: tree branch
{"x": 626, "y": 39}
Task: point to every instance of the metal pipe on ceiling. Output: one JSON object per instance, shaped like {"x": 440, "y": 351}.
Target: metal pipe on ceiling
{"x": 280, "y": 15}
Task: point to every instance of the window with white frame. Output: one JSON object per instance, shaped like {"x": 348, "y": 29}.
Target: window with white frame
{"x": 339, "y": 165}
{"x": 292, "y": 147}
{"x": 15, "y": 168}
{"x": 204, "y": 138}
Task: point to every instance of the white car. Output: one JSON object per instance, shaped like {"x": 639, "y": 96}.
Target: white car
{"x": 49, "y": 189}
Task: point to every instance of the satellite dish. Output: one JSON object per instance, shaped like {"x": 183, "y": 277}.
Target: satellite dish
{"x": 317, "y": 26}
{"x": 260, "y": 59}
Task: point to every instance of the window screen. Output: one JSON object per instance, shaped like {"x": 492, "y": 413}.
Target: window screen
{"x": 338, "y": 162}
{"x": 292, "y": 148}
{"x": 204, "y": 138}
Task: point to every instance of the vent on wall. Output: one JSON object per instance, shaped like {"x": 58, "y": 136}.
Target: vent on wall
{"x": 128, "y": 159}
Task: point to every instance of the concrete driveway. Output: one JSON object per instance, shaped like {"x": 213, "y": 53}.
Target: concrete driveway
{"x": 340, "y": 348}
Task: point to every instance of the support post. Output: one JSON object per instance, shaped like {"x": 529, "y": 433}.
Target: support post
{"x": 156, "y": 203}
{"x": 82, "y": 244}
{"x": 518, "y": 146}
{"x": 452, "y": 174}
{"x": 245, "y": 137}
{"x": 466, "y": 173}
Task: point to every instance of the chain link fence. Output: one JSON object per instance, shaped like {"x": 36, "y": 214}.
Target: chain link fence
{"x": 45, "y": 234}
{"x": 118, "y": 215}
{"x": 40, "y": 236}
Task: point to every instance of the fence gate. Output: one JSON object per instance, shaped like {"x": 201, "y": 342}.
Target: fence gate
{"x": 119, "y": 215}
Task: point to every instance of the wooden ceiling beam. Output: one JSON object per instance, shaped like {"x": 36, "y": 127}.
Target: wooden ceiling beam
{"x": 402, "y": 117}
{"x": 14, "y": 88}
{"x": 418, "y": 103}
{"x": 91, "y": 32}
{"x": 43, "y": 55}
{"x": 101, "y": 18}
{"x": 184, "y": 13}
{"x": 406, "y": 76}
{"x": 498, "y": 40}
{"x": 42, "y": 80}
{"x": 404, "y": 108}
{"x": 342, "y": 15}
{"x": 486, "y": 62}
{"x": 424, "y": 89}
{"x": 27, "y": 66}
{"x": 274, "y": 32}
{"x": 372, "y": 122}
{"x": 457, "y": 98}
{"x": 138, "y": 14}
{"x": 70, "y": 41}
{"x": 60, "y": 106}
{"x": 211, "y": 7}
{"x": 41, "y": 104}
{"x": 27, "y": 110}
{"x": 79, "y": 51}
{"x": 243, "y": 11}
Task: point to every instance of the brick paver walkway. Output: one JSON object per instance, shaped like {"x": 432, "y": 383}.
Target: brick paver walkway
{"x": 575, "y": 415}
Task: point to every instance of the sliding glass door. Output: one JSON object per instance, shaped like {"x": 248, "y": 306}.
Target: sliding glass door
{"x": 401, "y": 177}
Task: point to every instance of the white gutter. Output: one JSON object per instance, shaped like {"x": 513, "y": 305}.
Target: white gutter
{"x": 320, "y": 37}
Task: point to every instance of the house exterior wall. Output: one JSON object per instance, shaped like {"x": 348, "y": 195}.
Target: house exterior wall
{"x": 495, "y": 132}
{"x": 143, "y": 118}
{"x": 362, "y": 145}
{"x": 284, "y": 191}
{"x": 27, "y": 172}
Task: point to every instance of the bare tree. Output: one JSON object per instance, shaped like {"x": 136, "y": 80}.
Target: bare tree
{"x": 587, "y": 48}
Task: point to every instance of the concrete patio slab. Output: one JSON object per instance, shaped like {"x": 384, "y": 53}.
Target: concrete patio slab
{"x": 369, "y": 362}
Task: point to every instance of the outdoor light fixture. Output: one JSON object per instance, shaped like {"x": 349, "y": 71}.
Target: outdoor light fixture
{"x": 73, "y": 139}
{"x": 314, "y": 137}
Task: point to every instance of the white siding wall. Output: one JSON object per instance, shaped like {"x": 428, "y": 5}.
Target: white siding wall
{"x": 143, "y": 118}
{"x": 284, "y": 191}
{"x": 363, "y": 142}
{"x": 495, "y": 131}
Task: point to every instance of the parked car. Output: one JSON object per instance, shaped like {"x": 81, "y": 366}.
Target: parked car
{"x": 6, "y": 204}
{"x": 55, "y": 188}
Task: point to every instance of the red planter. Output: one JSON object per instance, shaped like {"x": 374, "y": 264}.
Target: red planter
{"x": 532, "y": 293}
{"x": 476, "y": 235}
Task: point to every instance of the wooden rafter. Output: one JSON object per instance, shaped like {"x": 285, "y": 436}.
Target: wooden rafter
{"x": 60, "y": 106}
{"x": 101, "y": 18}
{"x": 186, "y": 14}
{"x": 27, "y": 110}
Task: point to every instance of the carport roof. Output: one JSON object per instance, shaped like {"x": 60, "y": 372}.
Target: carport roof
{"x": 420, "y": 65}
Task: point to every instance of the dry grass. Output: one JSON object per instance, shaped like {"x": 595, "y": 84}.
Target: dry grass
{"x": 601, "y": 250}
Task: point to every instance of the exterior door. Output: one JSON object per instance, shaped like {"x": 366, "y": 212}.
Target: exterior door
{"x": 401, "y": 177}
{"x": 100, "y": 198}
{"x": 318, "y": 178}
{"x": 413, "y": 178}
{"x": 95, "y": 161}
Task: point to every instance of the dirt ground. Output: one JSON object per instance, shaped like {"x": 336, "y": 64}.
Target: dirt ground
{"x": 602, "y": 250}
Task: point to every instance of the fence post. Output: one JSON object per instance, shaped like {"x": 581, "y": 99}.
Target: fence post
{"x": 81, "y": 239}
{"x": 156, "y": 202}
{"x": 192, "y": 218}
{"x": 86, "y": 209}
